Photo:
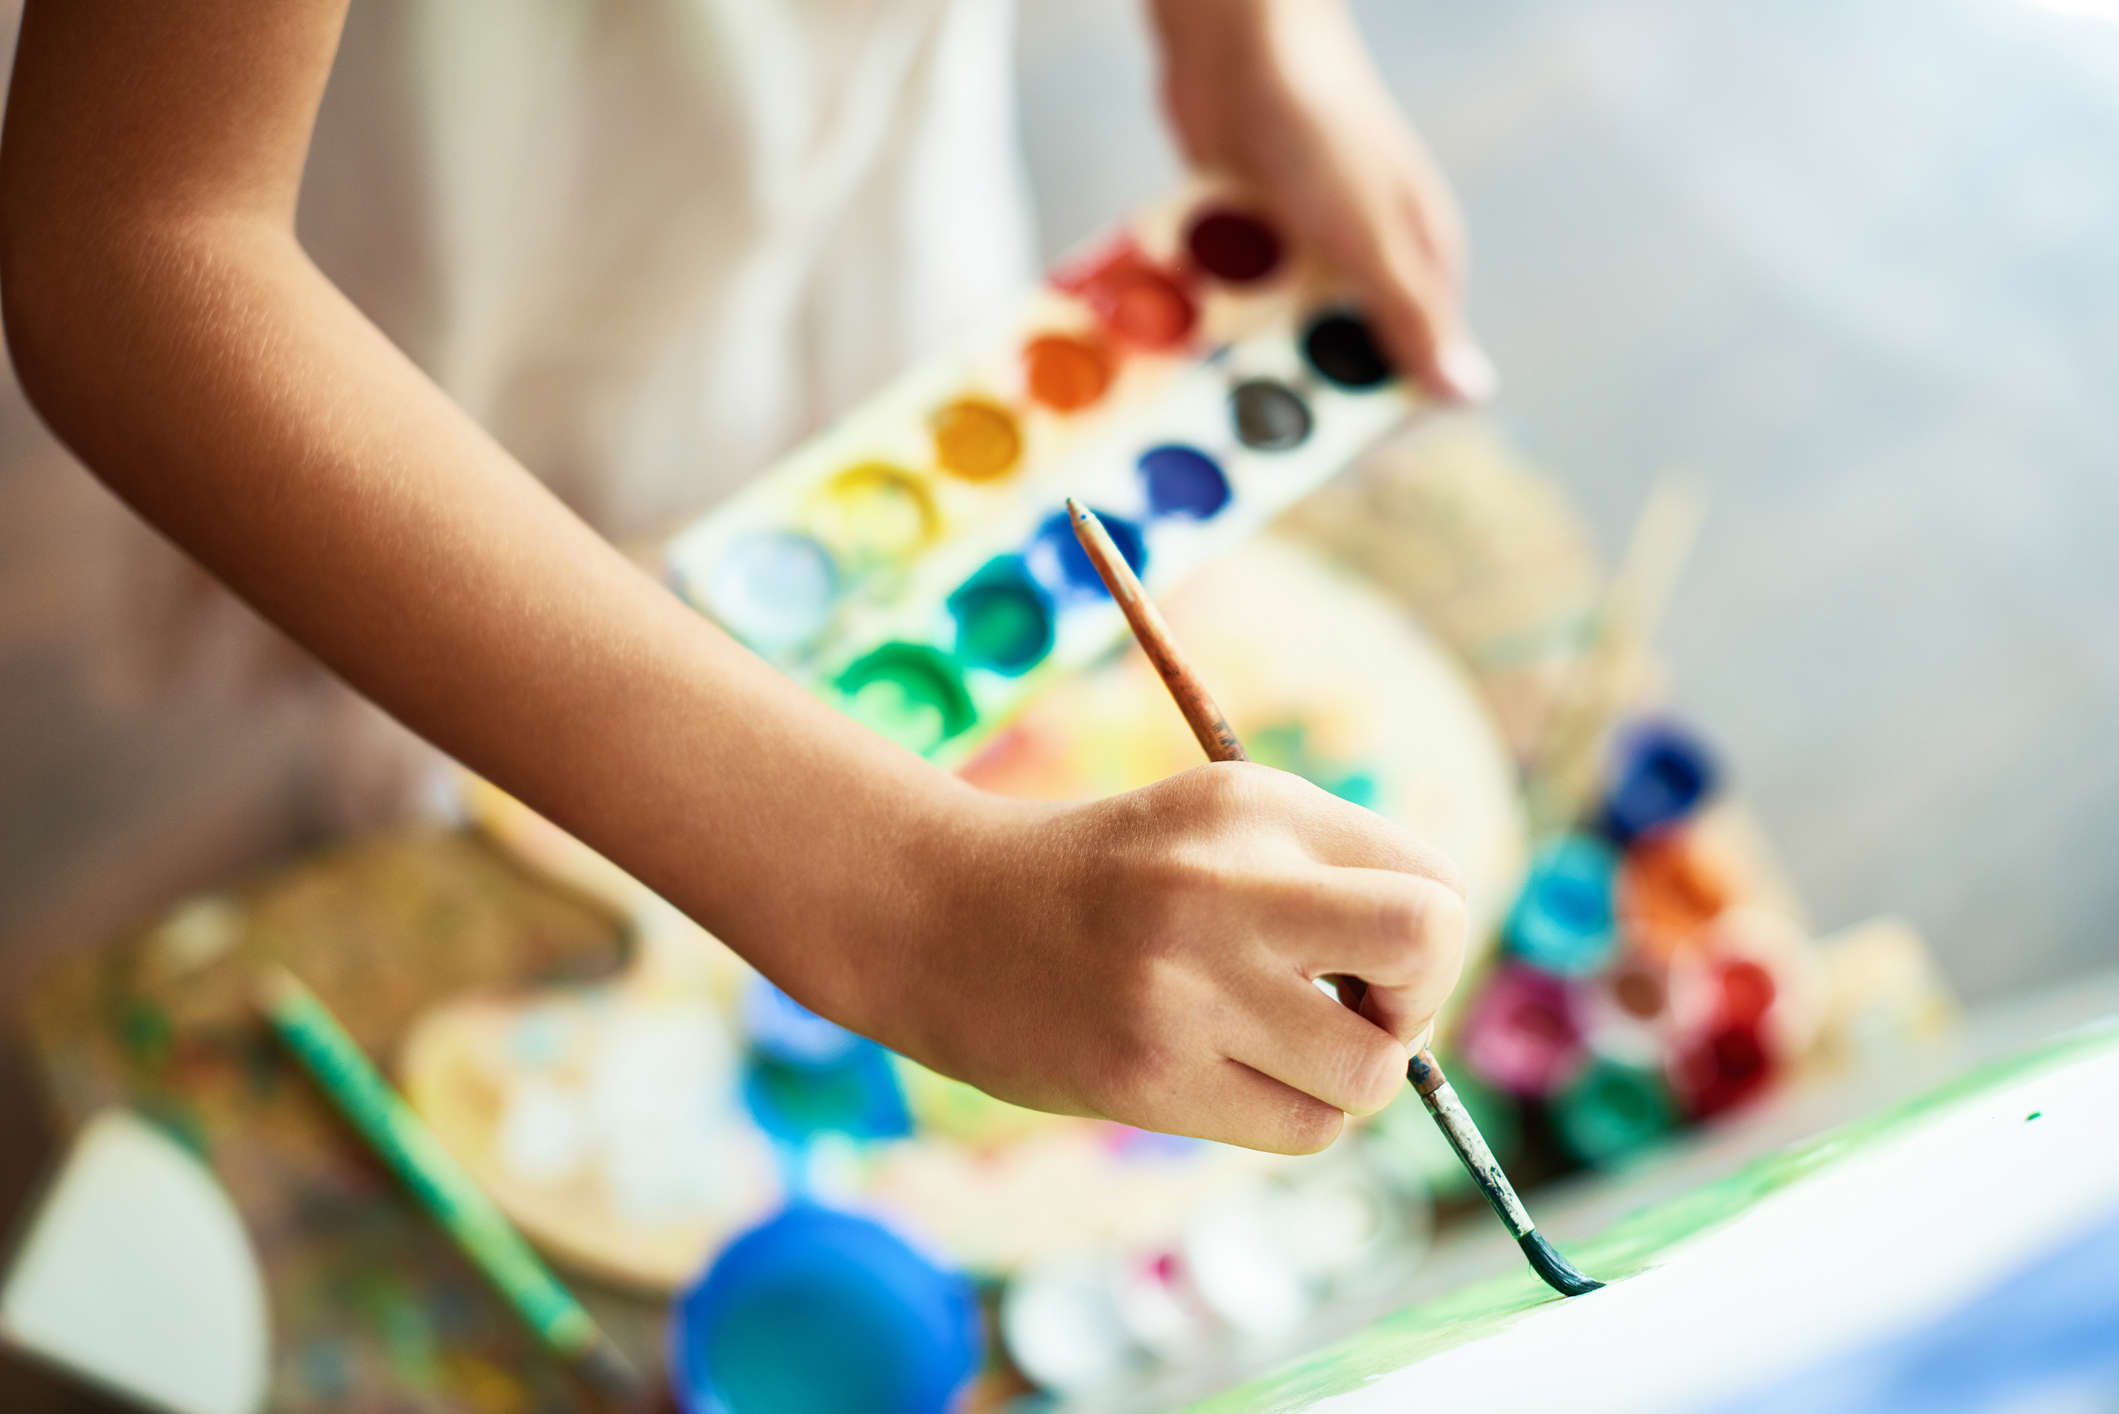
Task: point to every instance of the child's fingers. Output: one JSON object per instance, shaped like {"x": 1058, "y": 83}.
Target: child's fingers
{"x": 1407, "y": 1013}
{"x": 1415, "y": 308}
{"x": 1233, "y": 1104}
{"x": 1398, "y": 248}
{"x": 1387, "y": 927}
{"x": 1299, "y": 1036}
{"x": 1341, "y": 833}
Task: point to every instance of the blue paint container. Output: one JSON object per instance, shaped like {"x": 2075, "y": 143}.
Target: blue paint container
{"x": 778, "y": 1026}
{"x": 1182, "y": 481}
{"x": 1563, "y": 920}
{"x": 1060, "y": 562}
{"x": 1659, "y": 774}
{"x": 807, "y": 1076}
{"x": 816, "y": 1309}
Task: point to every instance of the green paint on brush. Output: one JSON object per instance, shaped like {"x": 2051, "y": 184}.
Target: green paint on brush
{"x": 1632, "y": 1246}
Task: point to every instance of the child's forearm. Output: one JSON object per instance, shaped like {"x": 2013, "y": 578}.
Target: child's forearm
{"x": 219, "y": 383}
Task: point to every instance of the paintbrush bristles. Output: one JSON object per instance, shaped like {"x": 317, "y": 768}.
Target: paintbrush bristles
{"x": 1560, "y": 1274}
{"x": 1212, "y": 729}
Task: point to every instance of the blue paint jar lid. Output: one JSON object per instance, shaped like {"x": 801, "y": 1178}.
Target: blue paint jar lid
{"x": 1563, "y": 920}
{"x": 819, "y": 1309}
{"x": 1659, "y": 774}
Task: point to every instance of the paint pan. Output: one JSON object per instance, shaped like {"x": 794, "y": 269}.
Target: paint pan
{"x": 1268, "y": 415}
{"x": 1003, "y": 617}
{"x": 775, "y": 590}
{"x": 1563, "y": 919}
{"x": 910, "y": 692}
{"x": 1659, "y": 774}
{"x": 1343, "y": 350}
{"x": 1066, "y": 373}
{"x": 1139, "y": 302}
{"x": 817, "y": 1309}
{"x": 1612, "y": 1111}
{"x": 1234, "y": 247}
{"x": 975, "y": 439}
{"x": 1182, "y": 481}
{"x": 1524, "y": 1032}
{"x": 1060, "y": 563}
{"x": 874, "y": 513}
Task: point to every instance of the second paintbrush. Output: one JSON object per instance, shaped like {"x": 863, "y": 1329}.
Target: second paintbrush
{"x": 1220, "y": 743}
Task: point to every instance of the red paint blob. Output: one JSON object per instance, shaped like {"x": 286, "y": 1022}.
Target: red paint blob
{"x": 1747, "y": 990}
{"x": 1721, "y": 1069}
{"x": 1141, "y": 303}
{"x": 1144, "y": 307}
{"x": 1064, "y": 373}
{"x": 1233, "y": 246}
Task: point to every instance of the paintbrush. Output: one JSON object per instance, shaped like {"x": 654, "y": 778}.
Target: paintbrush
{"x": 1219, "y": 740}
{"x": 441, "y": 1185}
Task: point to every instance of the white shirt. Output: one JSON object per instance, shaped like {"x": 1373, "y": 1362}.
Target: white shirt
{"x": 649, "y": 244}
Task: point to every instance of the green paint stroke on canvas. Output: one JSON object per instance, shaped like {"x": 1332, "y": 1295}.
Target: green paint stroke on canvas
{"x": 1629, "y": 1247}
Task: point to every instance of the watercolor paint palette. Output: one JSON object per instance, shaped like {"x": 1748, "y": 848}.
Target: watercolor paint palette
{"x": 914, "y": 565}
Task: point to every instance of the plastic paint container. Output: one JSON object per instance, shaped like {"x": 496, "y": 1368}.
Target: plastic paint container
{"x": 857, "y": 1095}
{"x": 1269, "y": 416}
{"x": 1720, "y": 1068}
{"x": 1064, "y": 373}
{"x": 816, "y": 1310}
{"x": 1613, "y": 1110}
{"x": 975, "y": 439}
{"x": 1063, "y": 1323}
{"x": 1343, "y": 350}
{"x": 1659, "y": 774}
{"x": 777, "y": 1025}
{"x": 1672, "y": 885}
{"x": 1233, "y": 246}
{"x": 1524, "y": 1032}
{"x": 1060, "y": 563}
{"x": 1563, "y": 919}
{"x": 1003, "y": 616}
{"x": 1182, "y": 481}
{"x": 1237, "y": 1268}
{"x": 910, "y": 692}
{"x": 774, "y": 589}
{"x": 874, "y": 513}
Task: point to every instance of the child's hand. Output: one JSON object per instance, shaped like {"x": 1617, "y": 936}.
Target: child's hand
{"x": 1281, "y": 94}
{"x": 1151, "y": 958}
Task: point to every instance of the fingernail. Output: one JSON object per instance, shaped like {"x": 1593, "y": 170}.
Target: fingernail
{"x": 1467, "y": 369}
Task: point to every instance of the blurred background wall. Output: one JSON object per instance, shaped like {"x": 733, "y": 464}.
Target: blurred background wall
{"x": 1852, "y": 264}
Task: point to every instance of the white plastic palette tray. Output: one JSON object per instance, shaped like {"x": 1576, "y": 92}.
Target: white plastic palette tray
{"x": 913, "y": 564}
